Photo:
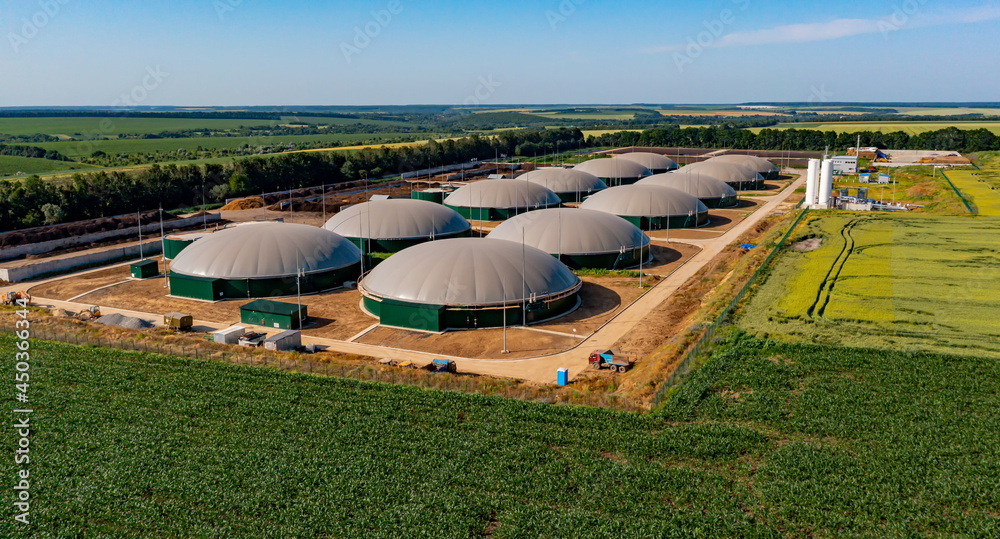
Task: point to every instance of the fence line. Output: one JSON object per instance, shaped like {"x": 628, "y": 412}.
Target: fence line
{"x": 968, "y": 206}
{"x": 685, "y": 366}
{"x": 363, "y": 373}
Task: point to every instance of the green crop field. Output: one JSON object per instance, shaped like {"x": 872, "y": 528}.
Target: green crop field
{"x": 904, "y": 282}
{"x": 913, "y": 128}
{"x": 766, "y": 440}
{"x": 77, "y": 149}
{"x": 979, "y": 187}
{"x": 83, "y": 126}
{"x": 11, "y": 165}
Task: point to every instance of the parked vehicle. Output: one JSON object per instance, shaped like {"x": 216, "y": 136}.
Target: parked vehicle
{"x": 612, "y": 359}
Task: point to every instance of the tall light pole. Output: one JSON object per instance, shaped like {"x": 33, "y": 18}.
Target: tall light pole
{"x": 524, "y": 284}
{"x": 298, "y": 287}
{"x": 204, "y": 215}
{"x": 138, "y": 220}
{"x": 504, "y": 284}
{"x": 163, "y": 247}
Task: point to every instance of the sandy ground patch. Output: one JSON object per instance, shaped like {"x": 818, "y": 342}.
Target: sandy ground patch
{"x": 74, "y": 285}
{"x": 481, "y": 343}
{"x": 807, "y": 245}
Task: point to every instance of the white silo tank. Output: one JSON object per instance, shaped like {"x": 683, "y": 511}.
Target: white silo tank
{"x": 825, "y": 183}
{"x": 812, "y": 183}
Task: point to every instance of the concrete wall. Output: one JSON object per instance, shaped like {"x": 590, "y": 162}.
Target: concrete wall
{"x": 150, "y": 229}
{"x": 43, "y": 266}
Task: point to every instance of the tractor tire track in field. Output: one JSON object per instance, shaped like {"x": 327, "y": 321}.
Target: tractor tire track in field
{"x": 818, "y": 307}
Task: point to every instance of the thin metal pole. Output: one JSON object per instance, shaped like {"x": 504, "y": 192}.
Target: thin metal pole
{"x": 368, "y": 208}
{"x": 524, "y": 284}
{"x": 504, "y": 284}
{"x": 298, "y": 287}
{"x": 163, "y": 248}
{"x": 291, "y": 210}
{"x": 324, "y": 203}
{"x": 138, "y": 220}
{"x": 204, "y": 214}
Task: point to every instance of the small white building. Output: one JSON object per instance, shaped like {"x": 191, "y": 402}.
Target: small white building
{"x": 845, "y": 164}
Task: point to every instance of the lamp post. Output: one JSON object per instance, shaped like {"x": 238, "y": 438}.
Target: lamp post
{"x": 138, "y": 220}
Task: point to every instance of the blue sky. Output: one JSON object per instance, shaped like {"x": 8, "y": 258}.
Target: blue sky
{"x": 257, "y": 52}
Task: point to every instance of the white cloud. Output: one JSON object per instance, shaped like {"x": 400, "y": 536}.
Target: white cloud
{"x": 841, "y": 28}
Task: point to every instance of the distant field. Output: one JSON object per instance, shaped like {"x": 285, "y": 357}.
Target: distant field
{"x": 74, "y": 126}
{"x": 980, "y": 187}
{"x": 674, "y": 112}
{"x": 12, "y": 164}
{"x": 903, "y": 282}
{"x": 928, "y": 111}
{"x": 599, "y": 132}
{"x": 912, "y": 128}
{"x": 586, "y": 115}
{"x": 77, "y": 149}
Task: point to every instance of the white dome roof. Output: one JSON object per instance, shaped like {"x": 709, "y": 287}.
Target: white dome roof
{"x": 469, "y": 271}
{"x": 700, "y": 187}
{"x": 650, "y": 160}
{"x": 396, "y": 219}
{"x": 503, "y": 194}
{"x": 644, "y": 200}
{"x": 564, "y": 180}
{"x": 572, "y": 231}
{"x": 759, "y": 164}
{"x": 265, "y": 250}
{"x": 613, "y": 168}
{"x": 727, "y": 172}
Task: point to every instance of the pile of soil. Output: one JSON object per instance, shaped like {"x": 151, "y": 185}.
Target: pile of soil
{"x": 123, "y": 321}
{"x": 77, "y": 228}
{"x": 808, "y": 245}
{"x": 249, "y": 203}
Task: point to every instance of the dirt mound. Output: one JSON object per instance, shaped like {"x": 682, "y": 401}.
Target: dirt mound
{"x": 249, "y": 203}
{"x": 77, "y": 228}
{"x": 808, "y": 245}
{"x": 123, "y": 321}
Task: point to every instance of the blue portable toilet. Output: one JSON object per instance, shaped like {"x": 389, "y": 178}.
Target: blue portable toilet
{"x": 562, "y": 377}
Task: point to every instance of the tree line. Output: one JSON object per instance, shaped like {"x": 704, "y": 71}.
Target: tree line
{"x": 948, "y": 139}
{"x": 107, "y": 193}
{"x": 32, "y": 151}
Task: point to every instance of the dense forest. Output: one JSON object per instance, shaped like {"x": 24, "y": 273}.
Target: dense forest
{"x": 111, "y": 193}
